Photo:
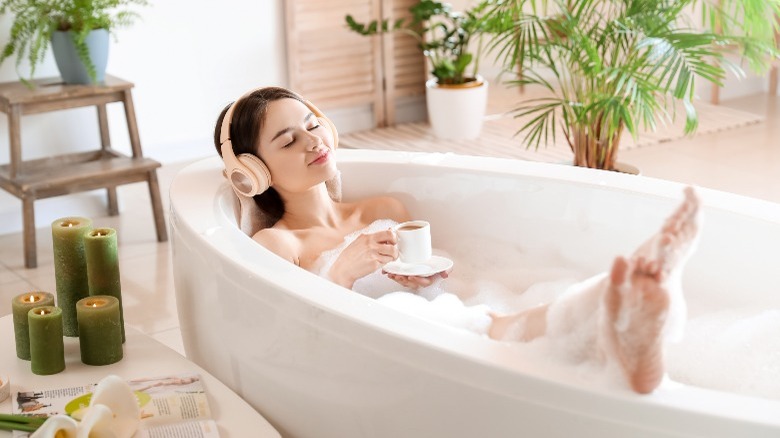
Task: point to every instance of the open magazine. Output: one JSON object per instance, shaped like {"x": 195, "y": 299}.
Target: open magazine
{"x": 171, "y": 406}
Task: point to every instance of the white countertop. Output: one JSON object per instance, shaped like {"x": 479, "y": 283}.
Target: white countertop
{"x": 143, "y": 357}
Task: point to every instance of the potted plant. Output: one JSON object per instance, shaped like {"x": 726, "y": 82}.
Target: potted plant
{"x": 77, "y": 30}
{"x": 611, "y": 66}
{"x": 456, "y": 98}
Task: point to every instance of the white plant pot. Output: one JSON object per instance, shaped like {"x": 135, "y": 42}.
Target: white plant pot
{"x": 456, "y": 112}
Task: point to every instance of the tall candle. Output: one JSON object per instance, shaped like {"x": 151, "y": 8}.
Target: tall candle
{"x": 70, "y": 267}
{"x": 20, "y": 305}
{"x": 100, "y": 334}
{"x": 103, "y": 267}
{"x": 47, "y": 350}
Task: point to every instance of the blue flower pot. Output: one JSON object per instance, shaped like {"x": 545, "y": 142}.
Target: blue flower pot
{"x": 71, "y": 67}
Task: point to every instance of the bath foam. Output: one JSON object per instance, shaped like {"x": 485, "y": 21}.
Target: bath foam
{"x": 446, "y": 308}
{"x": 506, "y": 277}
{"x": 716, "y": 352}
{"x": 734, "y": 350}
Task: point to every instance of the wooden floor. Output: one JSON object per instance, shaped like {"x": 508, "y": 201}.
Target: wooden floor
{"x": 500, "y": 137}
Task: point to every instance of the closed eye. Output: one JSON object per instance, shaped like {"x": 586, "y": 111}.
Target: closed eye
{"x": 314, "y": 127}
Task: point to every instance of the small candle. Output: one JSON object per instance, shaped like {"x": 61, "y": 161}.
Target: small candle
{"x": 20, "y": 305}
{"x": 103, "y": 267}
{"x": 47, "y": 350}
{"x": 100, "y": 333}
{"x": 70, "y": 267}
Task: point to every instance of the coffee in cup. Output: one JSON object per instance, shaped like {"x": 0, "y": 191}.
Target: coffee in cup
{"x": 414, "y": 241}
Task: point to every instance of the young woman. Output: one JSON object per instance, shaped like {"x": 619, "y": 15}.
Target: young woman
{"x": 278, "y": 148}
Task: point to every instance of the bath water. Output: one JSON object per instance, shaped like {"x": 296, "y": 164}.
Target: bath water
{"x": 736, "y": 350}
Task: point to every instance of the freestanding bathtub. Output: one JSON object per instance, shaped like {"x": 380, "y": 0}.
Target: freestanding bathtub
{"x": 318, "y": 360}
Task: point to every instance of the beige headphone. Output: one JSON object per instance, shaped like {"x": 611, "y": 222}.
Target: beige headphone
{"x": 247, "y": 173}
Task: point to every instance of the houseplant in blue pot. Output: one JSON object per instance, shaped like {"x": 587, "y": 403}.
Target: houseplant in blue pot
{"x": 77, "y": 30}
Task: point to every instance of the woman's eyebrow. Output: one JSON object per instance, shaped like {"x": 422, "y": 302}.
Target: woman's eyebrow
{"x": 286, "y": 130}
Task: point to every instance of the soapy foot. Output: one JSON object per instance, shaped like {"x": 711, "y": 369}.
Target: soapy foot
{"x": 637, "y": 298}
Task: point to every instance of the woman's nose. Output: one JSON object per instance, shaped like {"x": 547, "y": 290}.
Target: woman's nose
{"x": 313, "y": 140}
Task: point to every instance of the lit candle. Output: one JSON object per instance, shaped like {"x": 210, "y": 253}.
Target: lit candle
{"x": 103, "y": 267}
{"x": 21, "y": 304}
{"x": 70, "y": 267}
{"x": 47, "y": 350}
{"x": 100, "y": 332}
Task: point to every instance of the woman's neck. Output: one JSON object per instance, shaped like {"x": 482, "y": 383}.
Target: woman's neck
{"x": 313, "y": 208}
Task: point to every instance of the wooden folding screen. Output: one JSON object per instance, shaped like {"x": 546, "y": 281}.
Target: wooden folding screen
{"x": 336, "y": 68}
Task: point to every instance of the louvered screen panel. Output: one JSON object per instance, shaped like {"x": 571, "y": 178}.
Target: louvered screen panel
{"x": 404, "y": 63}
{"x": 328, "y": 64}
{"x": 409, "y": 69}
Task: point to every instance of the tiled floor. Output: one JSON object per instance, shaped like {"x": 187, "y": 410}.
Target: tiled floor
{"x": 744, "y": 161}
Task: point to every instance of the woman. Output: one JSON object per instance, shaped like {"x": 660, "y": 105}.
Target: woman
{"x": 620, "y": 316}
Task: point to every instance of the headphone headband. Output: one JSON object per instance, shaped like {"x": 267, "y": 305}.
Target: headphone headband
{"x": 246, "y": 172}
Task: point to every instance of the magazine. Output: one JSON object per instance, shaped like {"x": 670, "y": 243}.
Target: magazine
{"x": 171, "y": 406}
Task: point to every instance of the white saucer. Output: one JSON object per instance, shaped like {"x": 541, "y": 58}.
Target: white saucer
{"x": 433, "y": 266}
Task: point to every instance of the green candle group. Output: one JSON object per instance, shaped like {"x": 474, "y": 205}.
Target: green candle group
{"x": 103, "y": 267}
{"x": 70, "y": 267}
{"x": 21, "y": 305}
{"x": 100, "y": 334}
{"x": 47, "y": 350}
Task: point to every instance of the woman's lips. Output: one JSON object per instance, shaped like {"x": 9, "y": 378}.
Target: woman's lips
{"x": 321, "y": 158}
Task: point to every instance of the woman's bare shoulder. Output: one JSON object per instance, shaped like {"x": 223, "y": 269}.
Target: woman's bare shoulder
{"x": 281, "y": 242}
{"x": 384, "y": 207}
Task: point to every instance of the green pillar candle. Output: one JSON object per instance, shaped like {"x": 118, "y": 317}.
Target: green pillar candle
{"x": 103, "y": 267}
{"x": 20, "y": 305}
{"x": 47, "y": 350}
{"x": 70, "y": 267}
{"x": 100, "y": 334}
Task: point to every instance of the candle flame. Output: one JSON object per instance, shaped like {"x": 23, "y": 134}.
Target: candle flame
{"x": 94, "y": 304}
{"x": 69, "y": 224}
{"x": 44, "y": 311}
{"x": 32, "y": 299}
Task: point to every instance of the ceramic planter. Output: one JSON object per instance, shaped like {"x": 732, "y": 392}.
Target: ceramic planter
{"x": 456, "y": 111}
{"x": 71, "y": 67}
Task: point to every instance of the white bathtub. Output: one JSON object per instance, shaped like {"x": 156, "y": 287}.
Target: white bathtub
{"x": 320, "y": 361}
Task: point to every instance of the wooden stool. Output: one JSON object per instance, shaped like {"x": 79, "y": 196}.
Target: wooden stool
{"x": 76, "y": 172}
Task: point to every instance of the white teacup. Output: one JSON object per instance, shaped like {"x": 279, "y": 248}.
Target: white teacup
{"x": 414, "y": 241}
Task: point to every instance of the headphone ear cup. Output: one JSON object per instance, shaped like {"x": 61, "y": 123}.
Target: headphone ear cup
{"x": 258, "y": 172}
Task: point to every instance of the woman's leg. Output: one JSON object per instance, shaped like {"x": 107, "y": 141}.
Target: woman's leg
{"x": 634, "y": 301}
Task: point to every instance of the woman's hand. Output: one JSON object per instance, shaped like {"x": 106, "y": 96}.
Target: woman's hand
{"x": 416, "y": 282}
{"x": 363, "y": 256}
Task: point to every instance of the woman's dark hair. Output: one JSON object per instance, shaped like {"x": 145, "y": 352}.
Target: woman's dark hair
{"x": 245, "y": 125}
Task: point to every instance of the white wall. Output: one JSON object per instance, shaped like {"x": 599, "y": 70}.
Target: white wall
{"x": 187, "y": 58}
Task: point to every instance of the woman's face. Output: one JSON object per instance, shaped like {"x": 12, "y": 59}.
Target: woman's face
{"x": 296, "y": 146}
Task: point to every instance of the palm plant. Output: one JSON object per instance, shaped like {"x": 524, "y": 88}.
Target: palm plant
{"x": 616, "y": 65}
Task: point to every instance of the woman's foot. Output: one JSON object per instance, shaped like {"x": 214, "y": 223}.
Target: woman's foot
{"x": 637, "y": 298}
{"x": 636, "y": 303}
